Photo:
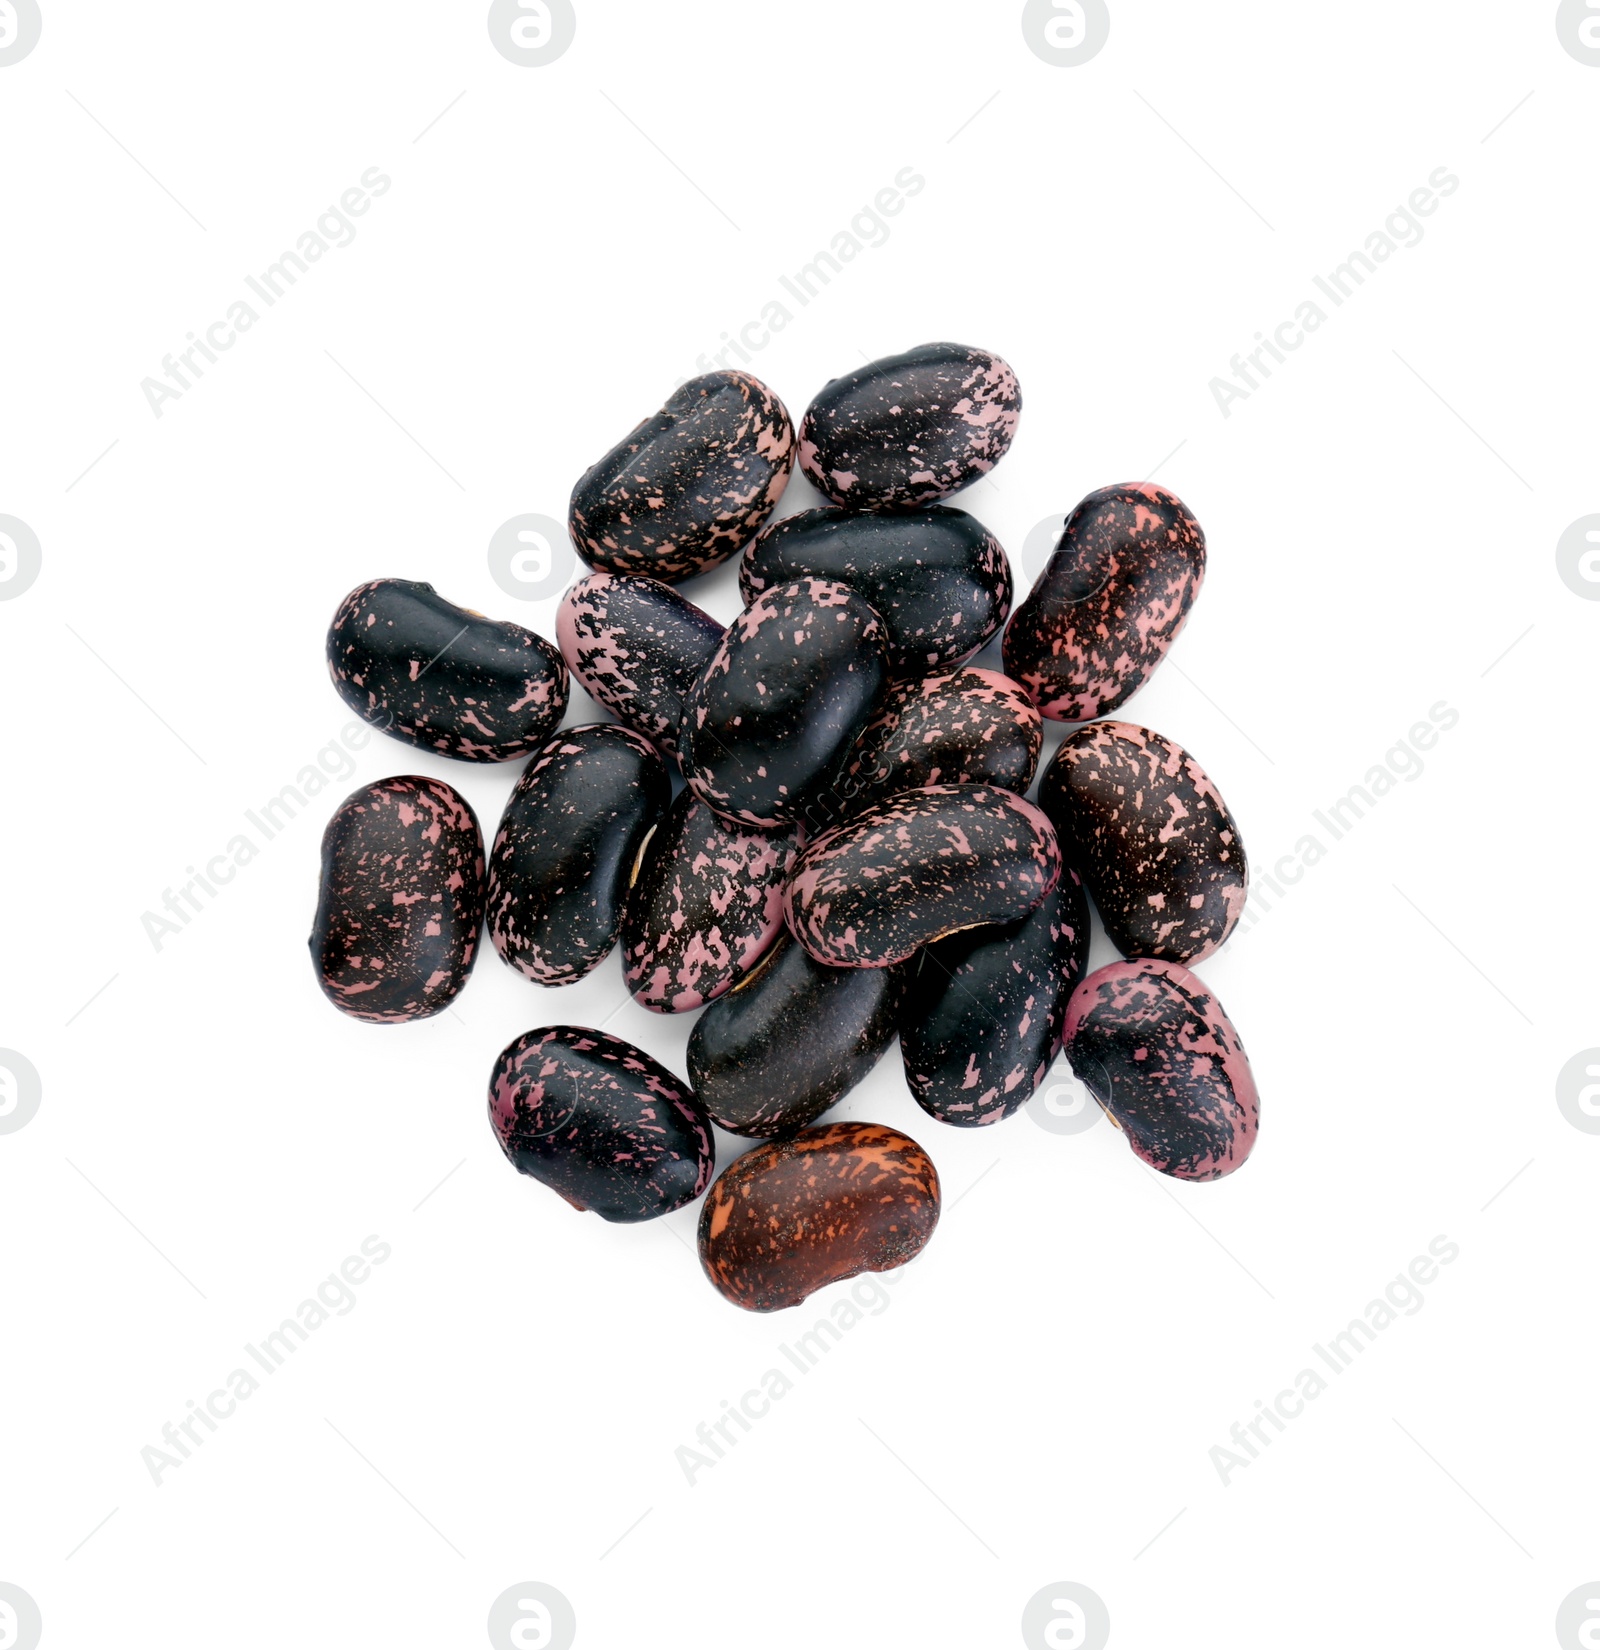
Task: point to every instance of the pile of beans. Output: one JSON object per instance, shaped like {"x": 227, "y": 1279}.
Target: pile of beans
{"x": 849, "y": 855}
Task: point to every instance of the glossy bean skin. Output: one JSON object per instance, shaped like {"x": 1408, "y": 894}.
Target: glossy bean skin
{"x": 637, "y": 647}
{"x": 402, "y": 900}
{"x": 791, "y": 1039}
{"x": 600, "y": 1122}
{"x": 795, "y": 1215}
{"x": 1152, "y": 1044}
{"x": 972, "y": 727}
{"x": 911, "y": 870}
{"x": 938, "y": 578}
{"x": 708, "y": 903}
{"x": 984, "y": 1018}
{"x": 566, "y": 852}
{"x": 442, "y": 677}
{"x": 910, "y": 429}
{"x": 691, "y": 485}
{"x": 781, "y": 703}
{"x": 1152, "y": 838}
{"x": 1110, "y": 603}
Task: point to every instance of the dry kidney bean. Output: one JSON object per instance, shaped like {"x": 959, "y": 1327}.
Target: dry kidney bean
{"x": 691, "y": 485}
{"x": 708, "y": 903}
{"x": 983, "y": 1020}
{"x": 920, "y": 866}
{"x": 1153, "y": 1045}
{"x": 402, "y": 900}
{"x": 568, "y": 849}
{"x": 833, "y": 1202}
{"x": 772, "y": 720}
{"x": 937, "y": 578}
{"x": 600, "y": 1122}
{"x": 910, "y": 429}
{"x": 443, "y": 677}
{"x": 637, "y": 647}
{"x": 1137, "y": 815}
{"x": 791, "y": 1039}
{"x": 1109, "y": 604}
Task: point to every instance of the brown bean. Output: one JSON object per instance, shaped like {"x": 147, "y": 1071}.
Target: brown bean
{"x": 794, "y": 1215}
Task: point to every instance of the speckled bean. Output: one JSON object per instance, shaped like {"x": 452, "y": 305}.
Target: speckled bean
{"x": 983, "y": 1019}
{"x": 791, "y": 1039}
{"x": 910, "y": 429}
{"x": 402, "y": 899}
{"x": 1110, "y": 603}
{"x": 937, "y": 578}
{"x": 691, "y": 485}
{"x": 794, "y": 1215}
{"x": 972, "y": 727}
{"x": 707, "y": 904}
{"x": 1154, "y": 1047}
{"x": 780, "y": 704}
{"x": 637, "y": 647}
{"x": 1152, "y": 837}
{"x": 568, "y": 849}
{"x": 911, "y": 870}
{"x": 600, "y": 1122}
{"x": 443, "y": 677}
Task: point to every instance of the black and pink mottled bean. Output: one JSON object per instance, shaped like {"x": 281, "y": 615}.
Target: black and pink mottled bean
{"x": 1109, "y": 604}
{"x": 401, "y": 906}
{"x": 984, "y": 1016}
{"x": 443, "y": 677}
{"x": 782, "y": 701}
{"x": 972, "y": 727}
{"x": 1152, "y": 837}
{"x": 600, "y": 1122}
{"x": 568, "y": 847}
{"x": 791, "y": 1039}
{"x": 707, "y": 905}
{"x": 937, "y": 578}
{"x": 917, "y": 867}
{"x": 637, "y": 647}
{"x": 691, "y": 485}
{"x": 1153, "y": 1045}
{"x": 910, "y": 429}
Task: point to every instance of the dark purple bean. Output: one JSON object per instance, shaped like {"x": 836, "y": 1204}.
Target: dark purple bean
{"x": 910, "y": 429}
{"x": 443, "y": 677}
{"x": 600, "y": 1122}
{"x": 568, "y": 849}
{"x": 691, "y": 485}
{"x": 920, "y": 866}
{"x": 708, "y": 903}
{"x": 637, "y": 647}
{"x": 1152, "y": 837}
{"x": 1152, "y": 1044}
{"x": 790, "y": 1039}
{"x": 973, "y": 727}
{"x": 983, "y": 1020}
{"x": 937, "y": 578}
{"x": 780, "y": 704}
{"x": 1109, "y": 604}
{"x": 401, "y": 906}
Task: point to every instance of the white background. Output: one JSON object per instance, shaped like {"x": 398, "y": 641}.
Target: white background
{"x": 1039, "y": 1401}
